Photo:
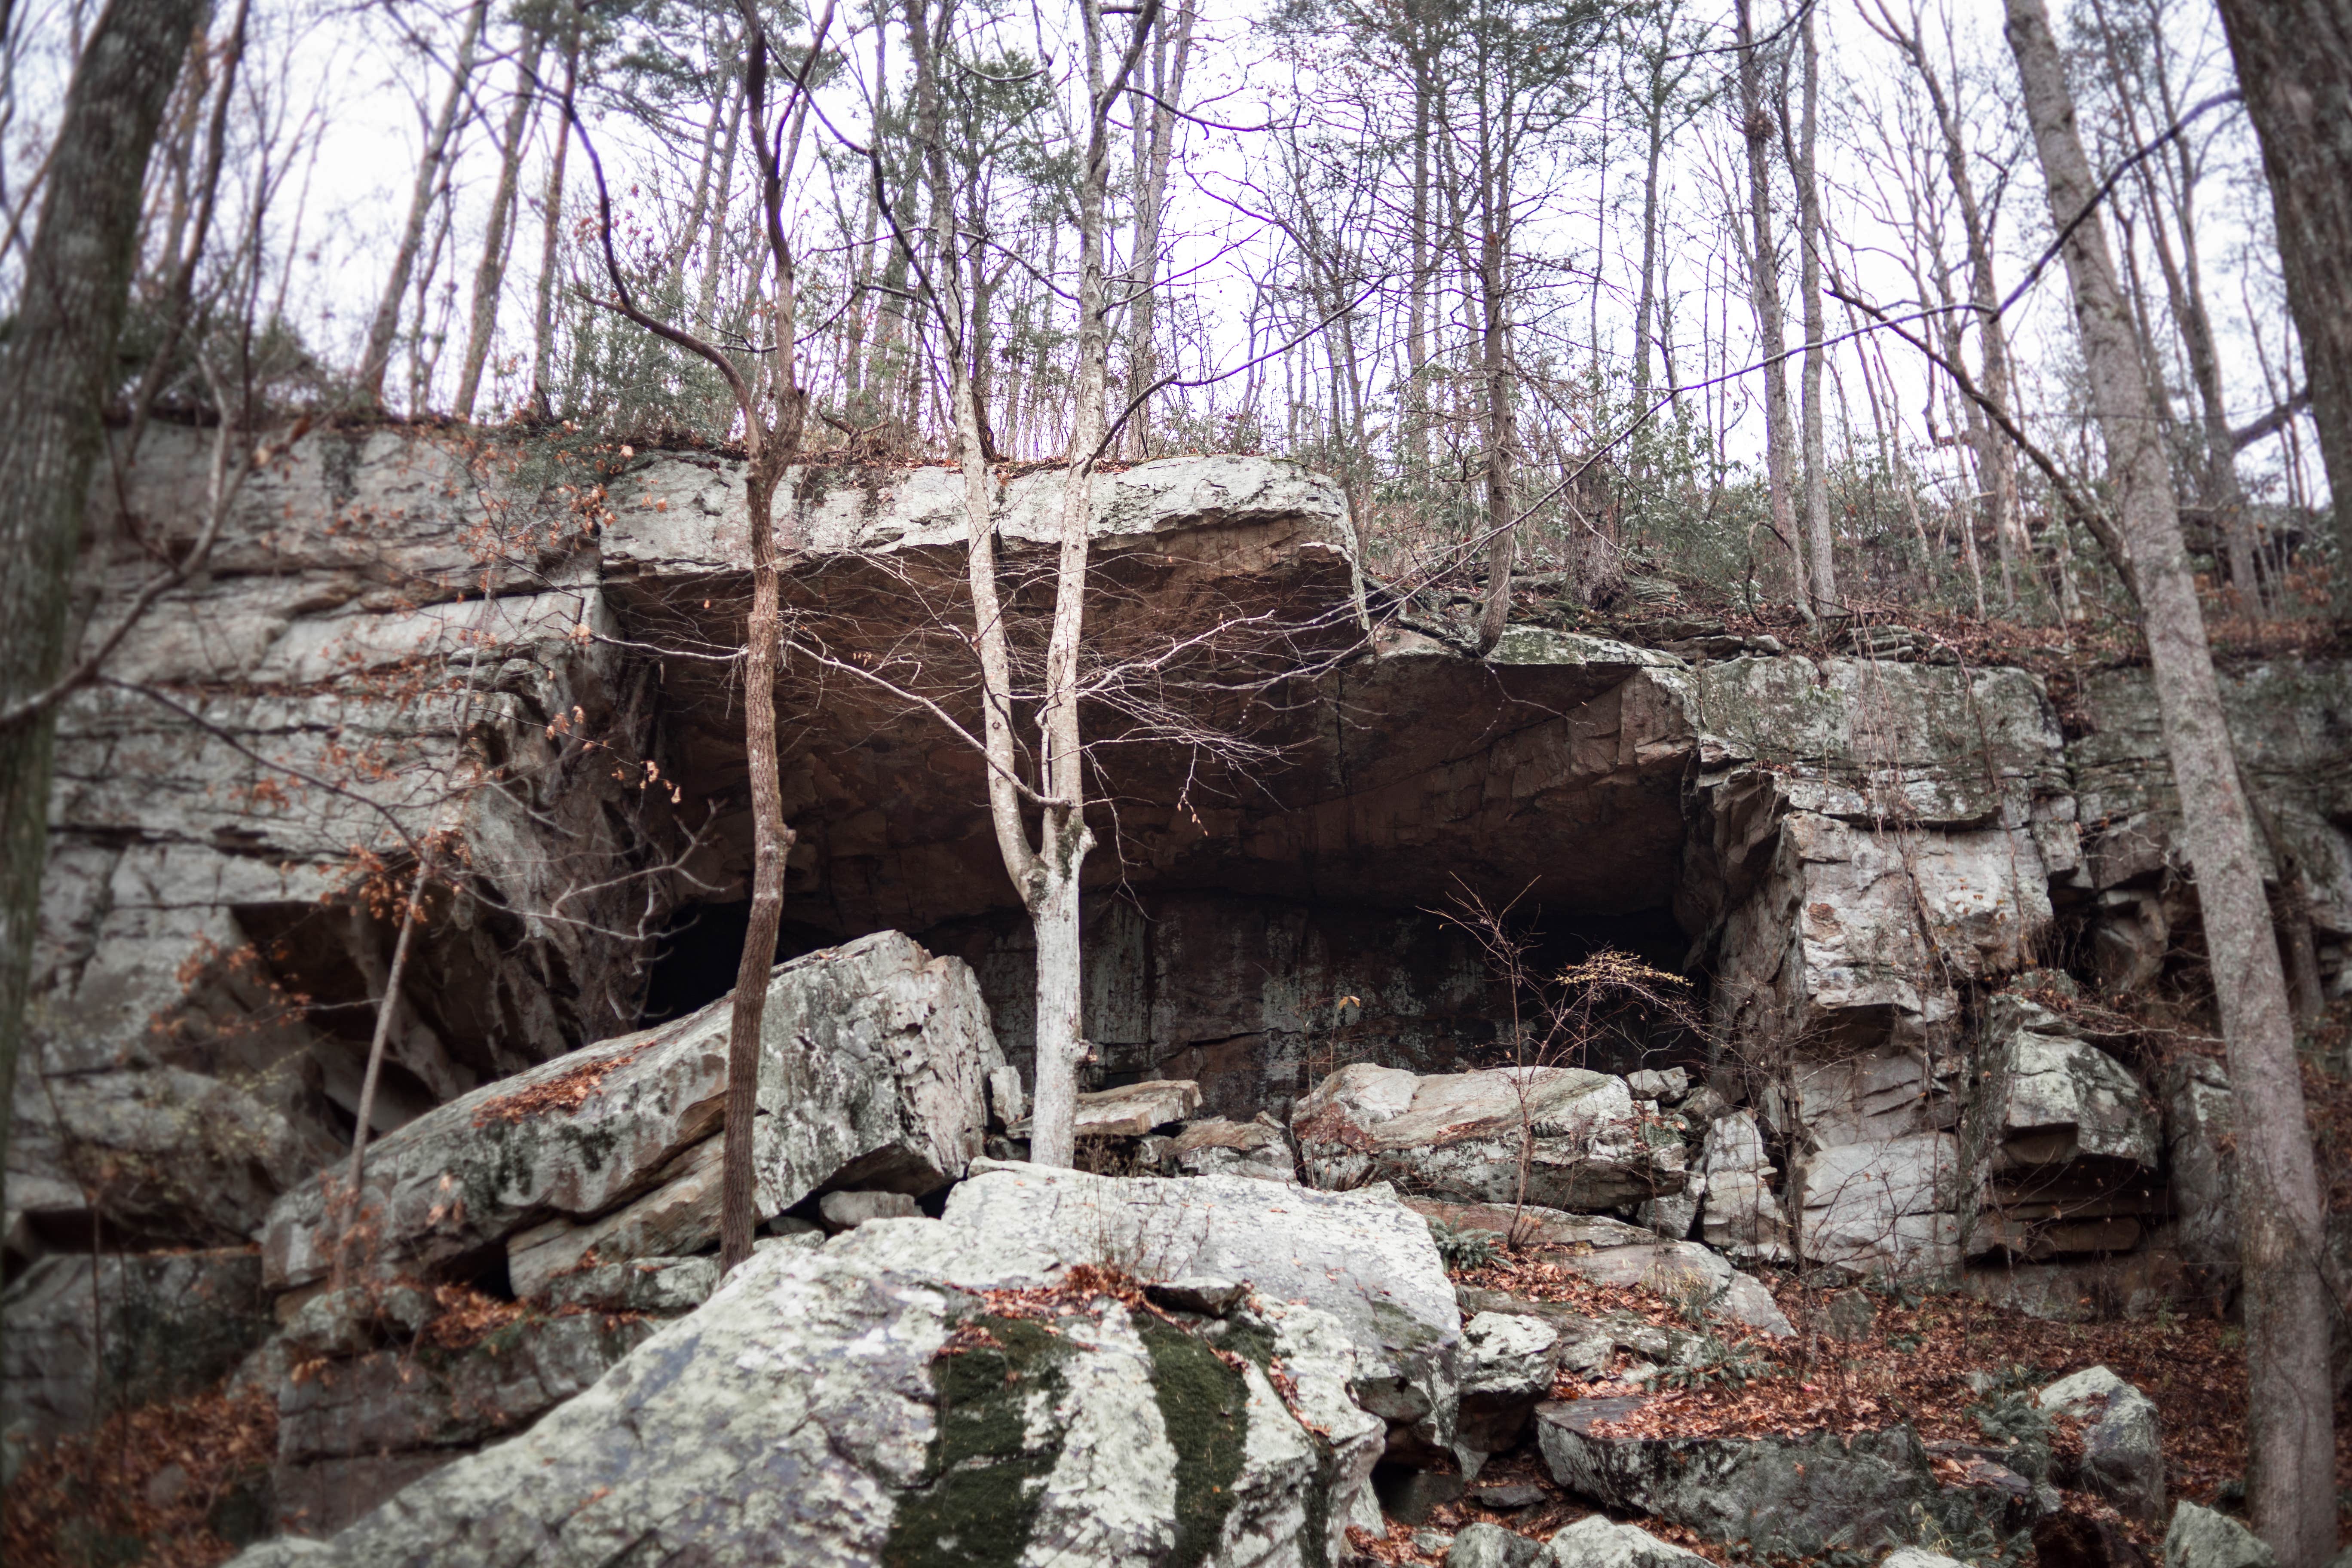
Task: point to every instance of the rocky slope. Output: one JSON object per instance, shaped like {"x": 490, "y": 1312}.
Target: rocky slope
{"x": 1893, "y": 884}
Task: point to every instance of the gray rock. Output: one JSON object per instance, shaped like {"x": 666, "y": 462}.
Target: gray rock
{"x": 750, "y": 1433}
{"x": 1851, "y": 1315}
{"x": 1214, "y": 1146}
{"x": 1667, "y": 1085}
{"x": 874, "y": 1056}
{"x": 1611, "y": 1252}
{"x": 1886, "y": 1207}
{"x": 2200, "y": 1538}
{"x": 1135, "y": 1109}
{"x": 170, "y": 1324}
{"x": 1505, "y": 1495}
{"x": 1487, "y": 1545}
{"x": 1741, "y": 1216}
{"x": 847, "y": 1211}
{"x": 1673, "y": 1216}
{"x": 1361, "y": 1257}
{"x": 2067, "y": 1100}
{"x": 1460, "y": 1135}
{"x": 2201, "y": 1118}
{"x": 680, "y": 1216}
{"x": 1599, "y": 1542}
{"x": 2122, "y": 1442}
{"x": 357, "y": 1429}
{"x": 1799, "y": 1497}
{"x": 1507, "y": 1366}
{"x": 659, "y": 1287}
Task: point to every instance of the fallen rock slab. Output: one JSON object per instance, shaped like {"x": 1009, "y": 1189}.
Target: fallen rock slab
{"x": 1361, "y": 1257}
{"x": 1611, "y": 1252}
{"x": 1789, "y": 1496}
{"x": 865, "y": 1403}
{"x": 2122, "y": 1441}
{"x": 1461, "y": 1136}
{"x": 876, "y": 1058}
{"x": 1214, "y": 1146}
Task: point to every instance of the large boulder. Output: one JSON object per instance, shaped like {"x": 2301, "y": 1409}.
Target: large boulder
{"x": 916, "y": 1392}
{"x": 1796, "y": 1495}
{"x": 1463, "y": 1136}
{"x": 1361, "y": 1257}
{"x": 2122, "y": 1442}
{"x": 2200, "y": 1538}
{"x": 875, "y": 1071}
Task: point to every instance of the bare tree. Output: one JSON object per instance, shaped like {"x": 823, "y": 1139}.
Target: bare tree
{"x": 2291, "y": 1484}
{"x": 2294, "y": 67}
{"x": 1756, "y": 128}
{"x": 56, "y": 372}
{"x": 489, "y": 275}
{"x": 772, "y": 404}
{"x": 430, "y": 176}
{"x": 1811, "y": 239}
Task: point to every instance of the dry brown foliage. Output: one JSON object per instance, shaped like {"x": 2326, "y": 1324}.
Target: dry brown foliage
{"x": 149, "y": 1487}
{"x": 565, "y": 1091}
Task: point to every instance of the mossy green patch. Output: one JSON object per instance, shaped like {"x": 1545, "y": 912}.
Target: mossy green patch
{"x": 978, "y": 1499}
{"x": 1205, "y": 1405}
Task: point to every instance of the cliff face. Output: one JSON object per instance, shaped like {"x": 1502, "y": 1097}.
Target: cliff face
{"x": 1852, "y": 857}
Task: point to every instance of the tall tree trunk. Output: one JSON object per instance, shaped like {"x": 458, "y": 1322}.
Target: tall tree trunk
{"x": 1764, "y": 293}
{"x": 57, "y": 371}
{"x": 490, "y": 277}
{"x": 2291, "y": 1478}
{"x": 542, "y": 333}
{"x": 386, "y": 327}
{"x": 1996, "y": 470}
{"x": 1818, "y": 539}
{"x": 2294, "y": 67}
{"x": 1063, "y": 839}
{"x": 1416, "y": 340}
{"x": 1653, "y": 109}
{"x": 1501, "y": 434}
{"x": 1155, "y": 145}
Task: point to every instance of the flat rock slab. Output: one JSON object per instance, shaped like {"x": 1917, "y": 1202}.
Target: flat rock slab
{"x": 1362, "y": 1256}
{"x": 1793, "y": 1496}
{"x": 864, "y": 1403}
{"x": 1462, "y": 1135}
{"x": 1611, "y": 1252}
{"x": 874, "y": 1063}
